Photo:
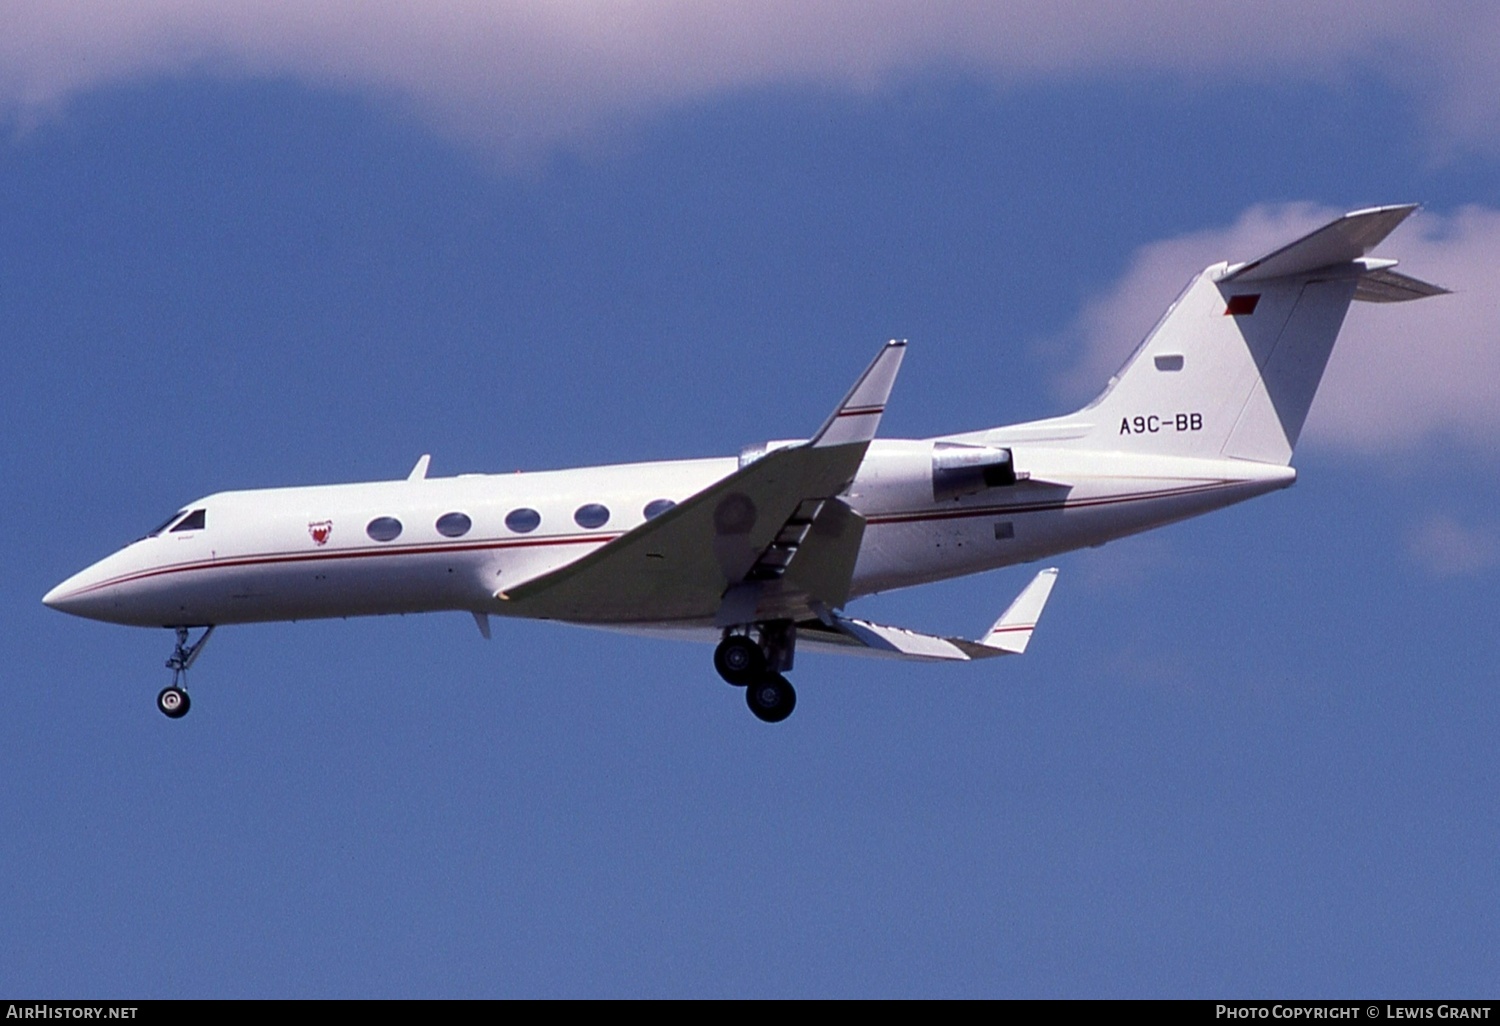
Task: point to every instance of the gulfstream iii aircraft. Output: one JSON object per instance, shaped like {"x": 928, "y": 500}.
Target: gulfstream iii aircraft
{"x": 762, "y": 553}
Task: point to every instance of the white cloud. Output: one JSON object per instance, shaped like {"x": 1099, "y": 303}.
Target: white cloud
{"x": 1401, "y": 373}
{"x": 1447, "y": 548}
{"x": 526, "y": 73}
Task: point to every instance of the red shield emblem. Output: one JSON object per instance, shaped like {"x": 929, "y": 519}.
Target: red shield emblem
{"x": 320, "y": 530}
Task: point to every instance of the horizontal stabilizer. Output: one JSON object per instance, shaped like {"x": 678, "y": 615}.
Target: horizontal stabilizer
{"x": 1338, "y": 242}
{"x": 1387, "y": 286}
{"x": 1008, "y": 636}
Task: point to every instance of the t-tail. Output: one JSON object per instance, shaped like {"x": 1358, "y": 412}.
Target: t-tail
{"x": 1232, "y": 367}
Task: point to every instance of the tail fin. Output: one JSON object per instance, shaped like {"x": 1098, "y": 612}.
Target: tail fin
{"x": 1232, "y": 368}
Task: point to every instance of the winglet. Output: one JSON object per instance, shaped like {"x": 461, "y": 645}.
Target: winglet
{"x": 1013, "y": 630}
{"x": 419, "y": 472}
{"x": 858, "y": 416}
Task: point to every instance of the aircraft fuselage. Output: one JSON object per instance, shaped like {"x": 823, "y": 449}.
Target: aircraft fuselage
{"x": 315, "y": 552}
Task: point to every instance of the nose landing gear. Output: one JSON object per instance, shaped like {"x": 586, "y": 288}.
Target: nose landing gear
{"x": 173, "y": 699}
{"x": 757, "y": 666}
{"x": 173, "y": 702}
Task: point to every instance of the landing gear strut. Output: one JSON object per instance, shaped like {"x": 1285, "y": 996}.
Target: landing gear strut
{"x": 757, "y": 665}
{"x": 173, "y": 699}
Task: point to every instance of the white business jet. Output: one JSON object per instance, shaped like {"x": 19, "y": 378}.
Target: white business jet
{"x": 763, "y": 552}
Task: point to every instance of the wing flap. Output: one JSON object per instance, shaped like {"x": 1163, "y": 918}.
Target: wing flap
{"x": 809, "y": 566}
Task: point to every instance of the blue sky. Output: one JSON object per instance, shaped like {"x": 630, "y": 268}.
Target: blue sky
{"x": 1248, "y": 755}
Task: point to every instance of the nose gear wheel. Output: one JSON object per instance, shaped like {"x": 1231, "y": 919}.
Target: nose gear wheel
{"x": 173, "y": 702}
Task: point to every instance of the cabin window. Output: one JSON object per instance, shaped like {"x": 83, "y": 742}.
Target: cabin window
{"x": 454, "y": 525}
{"x": 384, "y": 529}
{"x": 523, "y": 520}
{"x": 194, "y": 521}
{"x": 591, "y": 516}
{"x": 657, "y": 507}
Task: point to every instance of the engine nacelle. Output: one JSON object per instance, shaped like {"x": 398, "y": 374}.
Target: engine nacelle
{"x": 959, "y": 469}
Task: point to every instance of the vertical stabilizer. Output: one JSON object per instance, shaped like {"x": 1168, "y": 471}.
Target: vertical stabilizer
{"x": 1232, "y": 368}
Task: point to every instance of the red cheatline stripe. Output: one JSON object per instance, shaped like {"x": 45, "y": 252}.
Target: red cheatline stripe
{"x": 861, "y": 411}
{"x": 1018, "y": 627}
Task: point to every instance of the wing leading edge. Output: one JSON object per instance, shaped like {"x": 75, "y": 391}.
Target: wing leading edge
{"x": 770, "y": 541}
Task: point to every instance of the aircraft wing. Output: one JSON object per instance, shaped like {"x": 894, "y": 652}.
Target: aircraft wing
{"x": 1009, "y": 636}
{"x": 770, "y": 541}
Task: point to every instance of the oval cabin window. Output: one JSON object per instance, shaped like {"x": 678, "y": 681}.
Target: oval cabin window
{"x": 384, "y": 529}
{"x": 657, "y": 507}
{"x": 523, "y": 521}
{"x": 591, "y": 516}
{"x": 454, "y": 525}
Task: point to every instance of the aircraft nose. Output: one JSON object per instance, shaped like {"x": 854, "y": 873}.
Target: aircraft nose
{"x": 82, "y": 594}
{"x": 64, "y": 598}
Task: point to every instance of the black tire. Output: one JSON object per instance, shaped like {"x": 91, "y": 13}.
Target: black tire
{"x": 772, "y": 698}
{"x": 739, "y": 660}
{"x": 173, "y": 702}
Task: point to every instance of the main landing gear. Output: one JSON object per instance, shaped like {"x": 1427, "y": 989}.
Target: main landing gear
{"x": 173, "y": 699}
{"x": 772, "y": 698}
{"x": 756, "y": 664}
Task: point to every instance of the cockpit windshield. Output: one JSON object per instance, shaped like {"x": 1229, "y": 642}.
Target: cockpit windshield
{"x": 182, "y": 520}
{"x": 165, "y": 524}
{"x": 194, "y": 521}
